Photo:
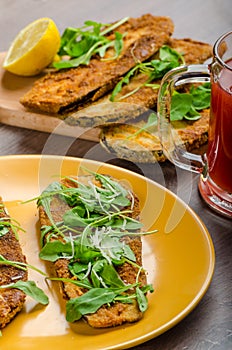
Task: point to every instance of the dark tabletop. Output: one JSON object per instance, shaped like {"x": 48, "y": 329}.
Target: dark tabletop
{"x": 209, "y": 325}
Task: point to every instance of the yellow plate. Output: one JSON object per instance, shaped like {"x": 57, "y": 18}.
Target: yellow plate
{"x": 179, "y": 259}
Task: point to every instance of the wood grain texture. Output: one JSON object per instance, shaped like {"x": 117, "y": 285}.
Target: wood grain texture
{"x": 12, "y": 87}
{"x": 209, "y": 326}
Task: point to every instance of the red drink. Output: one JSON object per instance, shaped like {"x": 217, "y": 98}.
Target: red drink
{"x": 215, "y": 167}
{"x": 219, "y": 152}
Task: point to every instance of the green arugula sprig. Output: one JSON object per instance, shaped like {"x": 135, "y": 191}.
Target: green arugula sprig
{"x": 183, "y": 106}
{"x": 151, "y": 122}
{"x": 154, "y": 69}
{"x": 93, "y": 299}
{"x": 19, "y": 265}
{"x": 28, "y": 287}
{"x": 8, "y": 224}
{"x": 187, "y": 105}
{"x": 80, "y": 44}
{"x": 92, "y": 240}
{"x": 87, "y": 202}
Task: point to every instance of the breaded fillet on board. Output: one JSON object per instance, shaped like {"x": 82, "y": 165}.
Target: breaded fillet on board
{"x": 11, "y": 299}
{"x": 107, "y": 315}
{"x": 104, "y": 111}
{"x": 57, "y": 91}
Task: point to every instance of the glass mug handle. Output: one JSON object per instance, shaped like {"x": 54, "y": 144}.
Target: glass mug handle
{"x": 172, "y": 145}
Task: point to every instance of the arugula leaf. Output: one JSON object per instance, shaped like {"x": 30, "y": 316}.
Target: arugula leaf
{"x": 81, "y": 284}
{"x": 92, "y": 198}
{"x": 201, "y": 96}
{"x": 91, "y": 301}
{"x": 142, "y": 299}
{"x": 125, "y": 80}
{"x": 7, "y": 224}
{"x": 77, "y": 268}
{"x": 124, "y": 223}
{"x": 114, "y": 249}
{"x": 168, "y": 54}
{"x": 45, "y": 201}
{"x": 88, "y": 254}
{"x": 96, "y": 271}
{"x": 118, "y": 44}
{"x": 96, "y": 297}
{"x": 31, "y": 289}
{"x": 104, "y": 275}
{"x": 111, "y": 277}
{"x": 54, "y": 250}
{"x": 180, "y": 105}
{"x": 112, "y": 185}
{"x": 187, "y": 105}
{"x": 155, "y": 69}
{"x": 151, "y": 122}
{"x": 19, "y": 265}
{"x": 88, "y": 303}
{"x": 192, "y": 114}
{"x": 72, "y": 218}
{"x": 3, "y": 229}
{"x": 80, "y": 44}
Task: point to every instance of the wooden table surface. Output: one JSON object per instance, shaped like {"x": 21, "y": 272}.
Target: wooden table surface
{"x": 209, "y": 325}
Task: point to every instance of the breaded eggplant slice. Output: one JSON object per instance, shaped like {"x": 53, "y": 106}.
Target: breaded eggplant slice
{"x": 104, "y": 111}
{"x": 106, "y": 316}
{"x": 11, "y": 299}
{"x": 145, "y": 147}
{"x": 57, "y": 91}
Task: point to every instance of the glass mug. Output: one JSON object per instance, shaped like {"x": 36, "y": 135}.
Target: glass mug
{"x": 215, "y": 166}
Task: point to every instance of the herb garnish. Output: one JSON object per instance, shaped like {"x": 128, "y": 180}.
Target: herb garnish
{"x": 28, "y": 287}
{"x": 19, "y": 265}
{"x": 90, "y": 236}
{"x": 92, "y": 300}
{"x": 8, "y": 224}
{"x": 188, "y": 105}
{"x": 183, "y": 106}
{"x": 151, "y": 122}
{"x": 155, "y": 69}
{"x": 80, "y": 44}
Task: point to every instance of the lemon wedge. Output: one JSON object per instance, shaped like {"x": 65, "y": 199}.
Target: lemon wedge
{"x": 34, "y": 48}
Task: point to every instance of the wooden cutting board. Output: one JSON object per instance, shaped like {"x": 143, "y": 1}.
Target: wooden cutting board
{"x": 12, "y": 87}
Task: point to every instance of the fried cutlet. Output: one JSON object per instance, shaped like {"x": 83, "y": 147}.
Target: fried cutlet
{"x": 11, "y": 299}
{"x": 107, "y": 315}
{"x": 57, "y": 91}
{"x": 103, "y": 111}
{"x": 145, "y": 147}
